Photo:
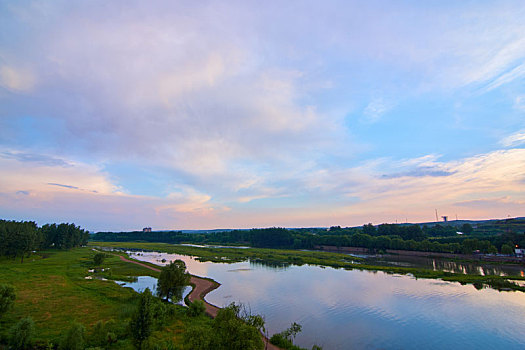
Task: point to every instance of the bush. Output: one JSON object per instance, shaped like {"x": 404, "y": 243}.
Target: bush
{"x": 102, "y": 334}
{"x": 196, "y": 308}
{"x": 7, "y": 297}
{"x": 74, "y": 338}
{"x": 98, "y": 259}
{"x": 21, "y": 334}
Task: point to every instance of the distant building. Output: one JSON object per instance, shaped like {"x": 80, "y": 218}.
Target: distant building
{"x": 445, "y": 218}
{"x": 146, "y": 229}
{"x": 519, "y": 252}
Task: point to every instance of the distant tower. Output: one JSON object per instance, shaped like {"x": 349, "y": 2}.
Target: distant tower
{"x": 436, "y": 215}
{"x": 445, "y": 218}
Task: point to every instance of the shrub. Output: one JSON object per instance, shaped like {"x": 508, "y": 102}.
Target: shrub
{"x": 21, "y": 334}
{"x": 196, "y": 308}
{"x": 7, "y": 297}
{"x": 74, "y": 338}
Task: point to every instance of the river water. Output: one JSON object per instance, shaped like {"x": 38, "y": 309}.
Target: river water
{"x": 352, "y": 309}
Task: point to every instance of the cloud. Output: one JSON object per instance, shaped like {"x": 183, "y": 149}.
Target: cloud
{"x": 86, "y": 195}
{"x": 231, "y": 113}
{"x": 488, "y": 204}
{"x": 375, "y": 110}
{"x": 65, "y": 186}
{"x": 507, "y": 77}
{"x": 16, "y": 79}
{"x": 514, "y": 140}
{"x": 35, "y": 158}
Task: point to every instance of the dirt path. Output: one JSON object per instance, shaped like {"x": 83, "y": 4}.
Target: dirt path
{"x": 202, "y": 287}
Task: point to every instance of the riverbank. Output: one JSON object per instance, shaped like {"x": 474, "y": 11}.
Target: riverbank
{"x": 467, "y": 257}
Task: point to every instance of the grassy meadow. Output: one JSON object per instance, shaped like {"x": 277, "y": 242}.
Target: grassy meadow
{"x": 51, "y": 288}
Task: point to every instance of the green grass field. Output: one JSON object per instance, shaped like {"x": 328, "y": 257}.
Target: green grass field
{"x": 52, "y": 289}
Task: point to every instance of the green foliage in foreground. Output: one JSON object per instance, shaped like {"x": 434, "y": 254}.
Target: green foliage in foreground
{"x": 230, "y": 330}
{"x": 197, "y": 308}
{"x": 74, "y": 338}
{"x": 141, "y": 324}
{"x": 21, "y": 334}
{"x": 285, "y": 339}
{"x": 7, "y": 297}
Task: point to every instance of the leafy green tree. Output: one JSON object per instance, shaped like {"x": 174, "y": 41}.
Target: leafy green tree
{"x": 466, "y": 228}
{"x": 74, "y": 338}
{"x": 196, "y": 308}
{"x": 21, "y": 334}
{"x": 141, "y": 324}
{"x": 98, "y": 259}
{"x": 506, "y": 249}
{"x": 7, "y": 297}
{"x": 286, "y": 338}
{"x": 172, "y": 281}
{"x": 232, "y": 331}
{"x": 369, "y": 229}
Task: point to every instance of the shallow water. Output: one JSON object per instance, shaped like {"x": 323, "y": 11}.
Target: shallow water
{"x": 342, "y": 309}
{"x": 144, "y": 282}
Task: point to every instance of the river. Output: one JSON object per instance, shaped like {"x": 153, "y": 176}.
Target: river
{"x": 352, "y": 309}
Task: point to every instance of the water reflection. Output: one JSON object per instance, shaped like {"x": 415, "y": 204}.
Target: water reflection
{"x": 480, "y": 268}
{"x": 342, "y": 309}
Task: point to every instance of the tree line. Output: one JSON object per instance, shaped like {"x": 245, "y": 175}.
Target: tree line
{"x": 20, "y": 238}
{"x": 436, "y": 238}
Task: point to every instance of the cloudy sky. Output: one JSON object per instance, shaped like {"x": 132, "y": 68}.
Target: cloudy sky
{"x": 213, "y": 114}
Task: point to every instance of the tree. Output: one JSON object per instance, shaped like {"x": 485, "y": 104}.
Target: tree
{"x": 286, "y": 338}
{"x": 233, "y": 331}
{"x": 142, "y": 322}
{"x": 172, "y": 280}
{"x": 506, "y": 249}
{"x": 466, "y": 228}
{"x": 369, "y": 229}
{"x": 98, "y": 258}
{"x": 74, "y": 338}
{"x": 7, "y": 297}
{"x": 21, "y": 334}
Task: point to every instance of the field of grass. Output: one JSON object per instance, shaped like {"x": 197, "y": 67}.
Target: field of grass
{"x": 52, "y": 289}
{"x": 297, "y": 257}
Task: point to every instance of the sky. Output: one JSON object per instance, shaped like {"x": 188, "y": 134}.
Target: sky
{"x": 236, "y": 114}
